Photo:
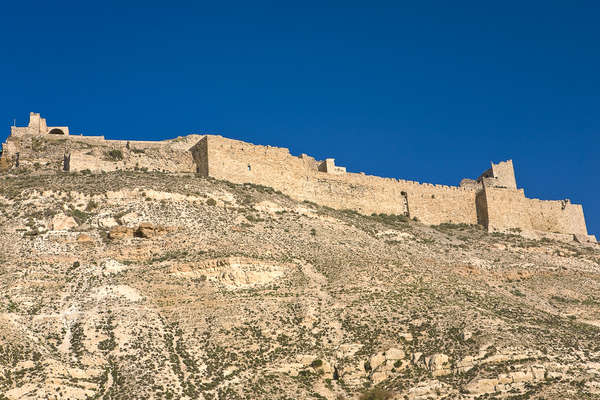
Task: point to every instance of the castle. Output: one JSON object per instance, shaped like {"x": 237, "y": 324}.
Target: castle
{"x": 492, "y": 200}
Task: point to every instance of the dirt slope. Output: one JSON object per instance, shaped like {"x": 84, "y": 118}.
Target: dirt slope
{"x": 141, "y": 285}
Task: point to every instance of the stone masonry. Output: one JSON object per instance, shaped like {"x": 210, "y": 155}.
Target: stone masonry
{"x": 492, "y": 200}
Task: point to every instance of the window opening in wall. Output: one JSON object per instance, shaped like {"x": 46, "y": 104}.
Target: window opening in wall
{"x": 249, "y": 167}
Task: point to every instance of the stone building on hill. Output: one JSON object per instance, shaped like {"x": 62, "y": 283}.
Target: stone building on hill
{"x": 493, "y": 200}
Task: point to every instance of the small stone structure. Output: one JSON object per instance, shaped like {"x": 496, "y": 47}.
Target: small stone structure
{"x": 37, "y": 126}
{"x": 492, "y": 200}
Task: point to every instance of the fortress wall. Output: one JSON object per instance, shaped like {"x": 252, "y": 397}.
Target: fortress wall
{"x": 241, "y": 162}
{"x": 506, "y": 209}
{"x": 556, "y": 216}
{"x": 90, "y": 153}
{"x": 438, "y": 204}
{"x": 511, "y": 209}
{"x": 19, "y": 130}
{"x": 95, "y": 140}
{"x": 299, "y": 178}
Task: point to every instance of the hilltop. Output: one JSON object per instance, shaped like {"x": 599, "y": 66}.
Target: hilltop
{"x": 163, "y": 285}
{"x": 492, "y": 201}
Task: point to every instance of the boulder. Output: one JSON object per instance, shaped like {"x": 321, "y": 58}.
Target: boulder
{"x": 129, "y": 218}
{"x": 62, "y": 222}
{"x": 376, "y": 361}
{"x": 426, "y": 390}
{"x": 438, "y": 364}
{"x": 147, "y": 230}
{"x": 394, "y": 354}
{"x": 481, "y": 386}
{"x": 120, "y": 232}
{"x": 407, "y": 336}
{"x": 107, "y": 222}
{"x": 84, "y": 238}
{"x": 379, "y": 376}
{"x": 466, "y": 364}
{"x": 348, "y": 349}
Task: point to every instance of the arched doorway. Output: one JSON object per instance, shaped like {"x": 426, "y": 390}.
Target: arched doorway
{"x": 56, "y": 131}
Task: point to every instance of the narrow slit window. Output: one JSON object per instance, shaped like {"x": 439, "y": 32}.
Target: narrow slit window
{"x": 249, "y": 167}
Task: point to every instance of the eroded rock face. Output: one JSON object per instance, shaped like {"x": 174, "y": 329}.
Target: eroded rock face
{"x": 228, "y": 305}
{"x": 120, "y": 232}
{"x": 233, "y": 272}
{"x": 62, "y": 222}
{"x": 84, "y": 238}
{"x": 147, "y": 230}
{"x": 438, "y": 364}
{"x": 107, "y": 222}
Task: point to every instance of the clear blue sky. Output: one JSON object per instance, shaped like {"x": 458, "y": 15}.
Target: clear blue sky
{"x": 430, "y": 91}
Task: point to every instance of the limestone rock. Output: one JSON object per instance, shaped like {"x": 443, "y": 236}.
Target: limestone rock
{"x": 430, "y": 389}
{"x": 147, "y": 230}
{"x": 376, "y": 360}
{"x": 107, "y": 222}
{"x": 438, "y": 364}
{"x": 62, "y": 222}
{"x": 348, "y": 349}
{"x": 110, "y": 266}
{"x": 481, "y": 386}
{"x": 120, "y": 232}
{"x": 233, "y": 272}
{"x": 129, "y": 218}
{"x": 394, "y": 354}
{"x": 84, "y": 238}
{"x": 465, "y": 364}
{"x": 379, "y": 376}
{"x": 407, "y": 336}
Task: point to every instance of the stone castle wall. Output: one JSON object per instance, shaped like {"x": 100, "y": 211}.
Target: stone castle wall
{"x": 300, "y": 178}
{"x": 492, "y": 200}
{"x": 509, "y": 209}
{"x": 78, "y": 153}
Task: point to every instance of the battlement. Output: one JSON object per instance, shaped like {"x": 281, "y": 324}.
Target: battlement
{"x": 499, "y": 175}
{"x": 492, "y": 200}
{"x": 37, "y": 126}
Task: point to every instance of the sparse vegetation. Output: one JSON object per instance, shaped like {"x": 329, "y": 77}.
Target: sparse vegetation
{"x": 114, "y": 155}
{"x": 376, "y": 394}
{"x": 166, "y": 316}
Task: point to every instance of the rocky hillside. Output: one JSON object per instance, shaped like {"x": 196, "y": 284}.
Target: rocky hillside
{"x": 148, "y": 285}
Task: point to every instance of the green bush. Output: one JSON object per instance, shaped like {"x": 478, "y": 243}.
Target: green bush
{"x": 114, "y": 155}
{"x": 376, "y": 394}
{"x": 390, "y": 219}
{"x": 91, "y": 205}
{"x": 211, "y": 202}
{"x": 316, "y": 363}
{"x": 79, "y": 216}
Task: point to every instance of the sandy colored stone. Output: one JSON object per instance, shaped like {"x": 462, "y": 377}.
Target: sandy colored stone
{"x": 84, "y": 238}
{"x": 120, "y": 232}
{"x": 61, "y": 222}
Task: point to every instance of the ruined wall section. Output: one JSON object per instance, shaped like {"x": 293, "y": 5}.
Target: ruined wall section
{"x": 300, "y": 178}
{"x": 112, "y": 155}
{"x": 79, "y": 153}
{"x": 504, "y": 172}
{"x": 500, "y": 175}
